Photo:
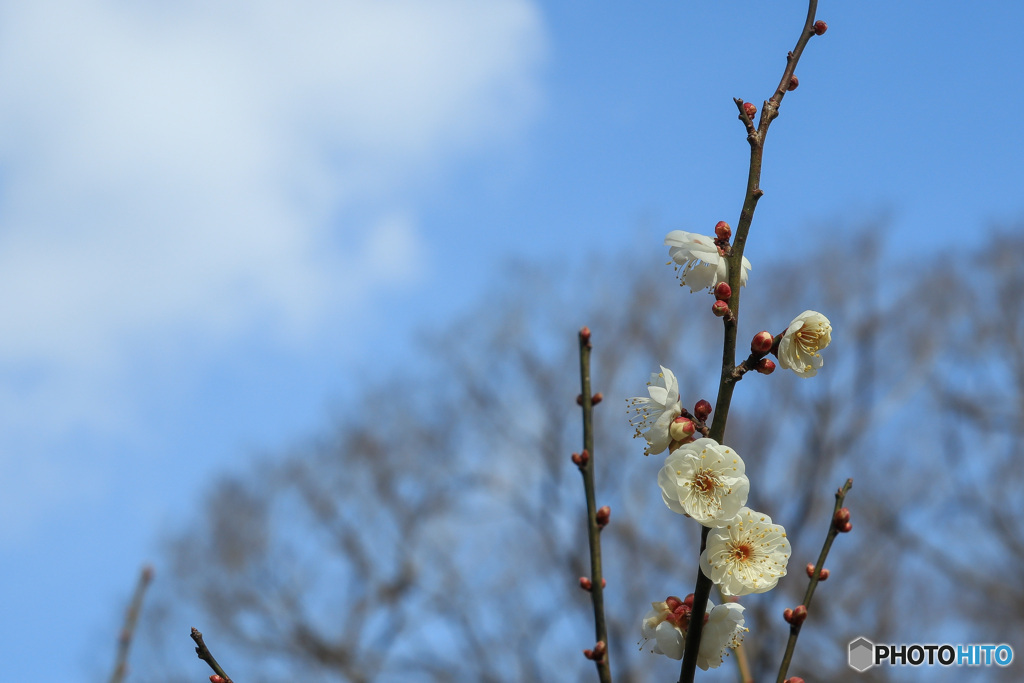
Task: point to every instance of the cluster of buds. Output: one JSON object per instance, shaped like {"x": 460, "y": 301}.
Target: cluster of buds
{"x": 594, "y": 400}
{"x": 597, "y": 654}
{"x": 841, "y": 521}
{"x": 795, "y": 616}
{"x": 810, "y": 572}
{"x": 581, "y": 459}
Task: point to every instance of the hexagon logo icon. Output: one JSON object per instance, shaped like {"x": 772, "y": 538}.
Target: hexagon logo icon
{"x": 862, "y": 654}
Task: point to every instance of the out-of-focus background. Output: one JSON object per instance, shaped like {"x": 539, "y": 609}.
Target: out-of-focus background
{"x": 290, "y": 293}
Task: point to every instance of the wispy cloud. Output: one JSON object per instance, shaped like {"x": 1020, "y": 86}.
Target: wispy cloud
{"x": 196, "y": 168}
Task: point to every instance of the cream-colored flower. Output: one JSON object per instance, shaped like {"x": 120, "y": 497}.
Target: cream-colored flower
{"x": 799, "y": 347}
{"x": 704, "y": 480}
{"x": 654, "y": 415}
{"x": 699, "y": 263}
{"x": 748, "y": 555}
{"x": 723, "y": 631}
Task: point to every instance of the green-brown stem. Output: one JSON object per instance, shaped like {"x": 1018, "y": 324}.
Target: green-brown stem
{"x": 794, "y": 629}
{"x": 131, "y": 618}
{"x": 727, "y": 380}
{"x": 204, "y": 654}
{"x": 604, "y": 671}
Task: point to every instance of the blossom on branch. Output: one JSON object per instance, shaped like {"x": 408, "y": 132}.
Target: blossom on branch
{"x": 747, "y": 555}
{"x": 724, "y": 630}
{"x": 808, "y": 334}
{"x": 704, "y": 480}
{"x": 667, "y": 622}
{"x": 654, "y": 415}
{"x": 699, "y": 261}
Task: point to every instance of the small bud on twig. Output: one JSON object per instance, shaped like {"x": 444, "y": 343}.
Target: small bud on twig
{"x": 750, "y": 109}
{"x": 820, "y": 27}
{"x": 723, "y": 291}
{"x": 586, "y": 584}
{"x": 702, "y": 410}
{"x": 720, "y": 309}
{"x": 841, "y": 520}
{"x": 762, "y": 342}
{"x": 722, "y": 229}
{"x": 795, "y": 616}
{"x": 604, "y": 515}
{"x": 596, "y": 398}
{"x": 580, "y": 459}
{"x": 681, "y": 429}
{"x": 810, "y": 572}
{"x": 794, "y": 83}
{"x": 585, "y": 334}
{"x": 765, "y": 366}
{"x": 794, "y": 679}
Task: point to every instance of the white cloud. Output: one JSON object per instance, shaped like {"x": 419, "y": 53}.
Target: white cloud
{"x": 192, "y": 167}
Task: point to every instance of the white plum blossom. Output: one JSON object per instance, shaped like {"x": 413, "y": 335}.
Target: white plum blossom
{"x": 808, "y": 334}
{"x": 698, "y": 261}
{"x": 723, "y": 631}
{"x": 660, "y": 625}
{"x": 654, "y": 415}
{"x": 747, "y": 555}
{"x": 667, "y": 622}
{"x": 704, "y": 480}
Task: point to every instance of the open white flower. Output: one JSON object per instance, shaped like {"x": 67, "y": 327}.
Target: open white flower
{"x": 698, "y": 261}
{"x": 808, "y": 334}
{"x": 654, "y": 415}
{"x": 748, "y": 555}
{"x": 724, "y": 630}
{"x": 704, "y": 480}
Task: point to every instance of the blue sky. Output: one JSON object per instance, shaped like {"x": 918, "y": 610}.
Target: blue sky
{"x": 219, "y": 219}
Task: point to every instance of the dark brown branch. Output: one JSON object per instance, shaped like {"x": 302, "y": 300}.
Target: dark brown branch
{"x": 204, "y": 654}
{"x": 131, "y": 618}
{"x": 727, "y": 381}
{"x": 794, "y": 628}
{"x": 586, "y": 467}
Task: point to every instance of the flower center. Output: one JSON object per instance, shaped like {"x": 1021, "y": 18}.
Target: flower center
{"x": 742, "y": 552}
{"x": 705, "y": 482}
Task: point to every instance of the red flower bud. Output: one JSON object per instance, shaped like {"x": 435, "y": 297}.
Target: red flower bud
{"x": 841, "y": 519}
{"x": 794, "y": 83}
{"x": 585, "y": 334}
{"x": 722, "y": 230}
{"x": 720, "y": 309}
{"x": 702, "y": 410}
{"x": 820, "y": 27}
{"x": 723, "y": 291}
{"x": 750, "y": 109}
{"x": 795, "y": 616}
{"x": 762, "y": 342}
{"x": 585, "y": 583}
{"x": 794, "y": 679}
{"x": 765, "y": 366}
{"x": 596, "y": 398}
{"x": 681, "y": 429}
{"x": 604, "y": 515}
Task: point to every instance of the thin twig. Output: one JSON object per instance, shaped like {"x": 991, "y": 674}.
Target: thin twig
{"x": 586, "y": 467}
{"x": 727, "y": 381}
{"x": 204, "y": 654}
{"x": 131, "y": 618}
{"x": 833, "y": 531}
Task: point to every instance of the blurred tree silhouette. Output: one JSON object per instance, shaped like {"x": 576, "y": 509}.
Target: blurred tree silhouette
{"x": 437, "y": 533}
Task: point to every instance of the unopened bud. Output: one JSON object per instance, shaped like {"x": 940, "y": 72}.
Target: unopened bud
{"x": 215, "y": 678}
{"x": 585, "y": 334}
{"x": 765, "y": 366}
{"x": 673, "y": 602}
{"x": 846, "y": 528}
{"x": 702, "y": 410}
{"x": 596, "y": 398}
{"x": 762, "y": 342}
{"x": 722, "y": 230}
{"x": 579, "y": 399}
{"x": 580, "y": 459}
{"x": 810, "y": 572}
{"x": 820, "y": 27}
{"x": 720, "y": 309}
{"x": 723, "y": 291}
{"x": 794, "y": 83}
{"x": 794, "y": 679}
{"x": 795, "y": 616}
{"x": 585, "y": 583}
{"x": 604, "y": 515}
{"x": 681, "y": 429}
{"x": 841, "y": 519}
{"x": 749, "y": 109}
